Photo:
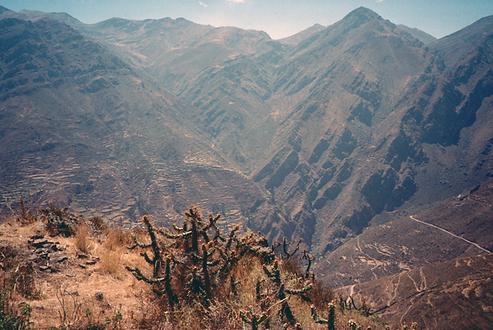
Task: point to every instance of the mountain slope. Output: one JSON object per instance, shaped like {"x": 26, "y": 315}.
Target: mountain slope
{"x": 418, "y": 34}
{"x": 444, "y": 231}
{"x": 362, "y": 141}
{"x": 434, "y": 296}
{"x": 296, "y": 38}
{"x": 175, "y": 51}
{"x": 82, "y": 128}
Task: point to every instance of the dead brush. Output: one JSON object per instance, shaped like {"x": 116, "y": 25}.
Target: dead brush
{"x": 98, "y": 224}
{"x": 24, "y": 215}
{"x": 116, "y": 238}
{"x": 70, "y": 309}
{"x": 82, "y": 242}
{"x": 111, "y": 261}
{"x": 24, "y": 281}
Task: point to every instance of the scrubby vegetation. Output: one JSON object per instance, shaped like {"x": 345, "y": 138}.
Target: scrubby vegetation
{"x": 201, "y": 274}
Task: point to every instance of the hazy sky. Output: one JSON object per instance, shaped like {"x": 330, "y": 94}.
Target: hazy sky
{"x": 279, "y": 18}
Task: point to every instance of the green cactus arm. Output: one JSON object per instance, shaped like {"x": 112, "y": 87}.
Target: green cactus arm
{"x": 353, "y": 325}
{"x": 299, "y": 291}
{"x": 262, "y": 318}
{"x": 316, "y": 317}
{"x": 245, "y": 318}
{"x": 176, "y": 236}
{"x": 147, "y": 258}
{"x": 140, "y": 277}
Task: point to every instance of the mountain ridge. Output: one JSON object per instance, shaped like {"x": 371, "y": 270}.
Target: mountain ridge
{"x": 335, "y": 138}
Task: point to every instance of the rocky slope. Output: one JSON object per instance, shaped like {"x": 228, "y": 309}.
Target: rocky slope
{"x": 391, "y": 122}
{"x": 421, "y": 294}
{"x": 415, "y": 266}
{"x": 457, "y": 227}
{"x": 80, "y": 127}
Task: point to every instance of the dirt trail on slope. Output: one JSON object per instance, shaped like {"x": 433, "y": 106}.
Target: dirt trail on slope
{"x": 451, "y": 234}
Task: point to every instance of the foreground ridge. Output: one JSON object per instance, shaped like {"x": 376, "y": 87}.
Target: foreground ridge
{"x": 62, "y": 271}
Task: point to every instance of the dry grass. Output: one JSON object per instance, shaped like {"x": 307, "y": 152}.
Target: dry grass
{"x": 122, "y": 291}
{"x": 111, "y": 262}
{"x": 82, "y": 241}
{"x": 116, "y": 238}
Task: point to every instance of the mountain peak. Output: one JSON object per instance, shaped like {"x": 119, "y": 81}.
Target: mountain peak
{"x": 3, "y": 10}
{"x": 362, "y": 14}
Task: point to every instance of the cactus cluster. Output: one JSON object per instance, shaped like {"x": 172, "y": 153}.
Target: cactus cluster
{"x": 192, "y": 265}
{"x": 198, "y": 256}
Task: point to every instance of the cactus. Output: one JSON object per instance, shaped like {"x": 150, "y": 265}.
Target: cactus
{"x": 308, "y": 257}
{"x": 172, "y": 297}
{"x": 253, "y": 319}
{"x": 330, "y": 317}
{"x": 205, "y": 271}
{"x": 285, "y": 248}
{"x": 274, "y": 273}
{"x": 156, "y": 261}
{"x": 195, "y": 283}
{"x": 234, "y": 286}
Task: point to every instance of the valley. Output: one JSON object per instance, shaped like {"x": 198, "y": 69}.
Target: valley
{"x": 368, "y": 140}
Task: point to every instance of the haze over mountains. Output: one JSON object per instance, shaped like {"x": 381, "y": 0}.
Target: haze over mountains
{"x": 334, "y": 135}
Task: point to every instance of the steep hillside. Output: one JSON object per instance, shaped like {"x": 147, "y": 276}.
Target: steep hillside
{"x": 79, "y": 126}
{"x": 58, "y": 269}
{"x": 427, "y": 267}
{"x": 175, "y": 51}
{"x": 418, "y": 34}
{"x": 435, "y": 296}
{"x": 346, "y": 122}
{"x": 391, "y": 122}
{"x": 343, "y": 84}
{"x": 457, "y": 227}
{"x": 297, "y": 38}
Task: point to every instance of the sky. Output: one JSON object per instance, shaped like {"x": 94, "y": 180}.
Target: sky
{"x": 279, "y": 18}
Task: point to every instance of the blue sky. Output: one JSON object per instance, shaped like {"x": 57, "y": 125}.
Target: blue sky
{"x": 279, "y": 18}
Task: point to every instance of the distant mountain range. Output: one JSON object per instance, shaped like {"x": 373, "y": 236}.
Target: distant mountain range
{"x": 335, "y": 135}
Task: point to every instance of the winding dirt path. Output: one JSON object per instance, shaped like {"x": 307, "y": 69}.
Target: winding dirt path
{"x": 451, "y": 234}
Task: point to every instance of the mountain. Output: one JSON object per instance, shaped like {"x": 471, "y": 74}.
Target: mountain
{"x": 296, "y": 38}
{"x": 343, "y": 84}
{"x": 418, "y": 34}
{"x": 4, "y": 10}
{"x": 385, "y": 121}
{"x": 329, "y": 127}
{"x": 175, "y": 51}
{"x": 80, "y": 127}
{"x": 369, "y": 141}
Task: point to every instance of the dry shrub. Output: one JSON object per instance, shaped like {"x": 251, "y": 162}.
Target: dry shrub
{"x": 98, "y": 224}
{"x": 82, "y": 242}
{"x": 111, "y": 262}
{"x": 17, "y": 273}
{"x": 70, "y": 309}
{"x": 117, "y": 238}
{"x": 9, "y": 256}
{"x": 25, "y": 215}
{"x": 24, "y": 282}
{"x": 59, "y": 221}
{"x": 73, "y": 314}
{"x": 293, "y": 266}
{"x": 320, "y": 294}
